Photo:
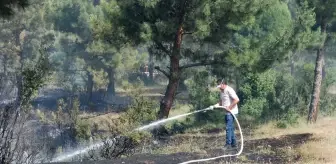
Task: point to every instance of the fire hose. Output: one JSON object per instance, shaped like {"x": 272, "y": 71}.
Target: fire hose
{"x": 223, "y": 156}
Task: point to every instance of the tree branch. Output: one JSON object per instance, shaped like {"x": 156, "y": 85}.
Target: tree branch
{"x": 200, "y": 64}
{"x": 158, "y": 43}
{"x": 163, "y": 71}
{"x": 164, "y": 49}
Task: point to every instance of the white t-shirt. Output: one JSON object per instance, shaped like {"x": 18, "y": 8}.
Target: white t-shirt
{"x": 227, "y": 96}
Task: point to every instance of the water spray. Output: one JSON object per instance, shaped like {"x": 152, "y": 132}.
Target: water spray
{"x": 101, "y": 143}
{"x": 146, "y": 127}
{"x": 156, "y": 123}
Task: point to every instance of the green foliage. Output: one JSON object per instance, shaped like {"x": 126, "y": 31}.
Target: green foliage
{"x": 275, "y": 95}
{"x": 272, "y": 95}
{"x": 82, "y": 52}
{"x": 271, "y": 38}
{"x": 68, "y": 115}
{"x": 82, "y": 130}
{"x": 328, "y": 97}
{"x": 265, "y": 40}
{"x": 60, "y": 113}
{"x": 8, "y": 8}
{"x": 156, "y": 23}
{"x": 74, "y": 111}
{"x": 35, "y": 77}
{"x": 202, "y": 97}
{"x": 303, "y": 36}
{"x": 326, "y": 9}
{"x": 198, "y": 92}
{"x": 40, "y": 115}
{"x": 254, "y": 93}
{"x": 142, "y": 110}
{"x": 305, "y": 74}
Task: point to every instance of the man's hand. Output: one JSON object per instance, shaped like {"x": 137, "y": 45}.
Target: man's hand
{"x": 212, "y": 107}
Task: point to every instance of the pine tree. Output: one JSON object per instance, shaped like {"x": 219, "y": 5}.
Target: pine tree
{"x": 73, "y": 19}
{"x": 325, "y": 11}
{"x": 181, "y": 30}
{"x": 22, "y": 38}
{"x": 8, "y": 7}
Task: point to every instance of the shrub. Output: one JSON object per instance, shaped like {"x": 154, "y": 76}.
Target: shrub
{"x": 123, "y": 139}
{"x": 276, "y": 96}
{"x": 40, "y": 114}
{"x": 67, "y": 115}
{"x": 271, "y": 95}
{"x": 328, "y": 99}
{"x": 82, "y": 130}
{"x": 202, "y": 97}
{"x": 255, "y": 94}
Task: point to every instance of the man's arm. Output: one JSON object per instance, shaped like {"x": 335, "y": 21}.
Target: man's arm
{"x": 235, "y": 102}
{"x": 235, "y": 98}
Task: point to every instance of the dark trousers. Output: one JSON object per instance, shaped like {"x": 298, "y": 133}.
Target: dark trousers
{"x": 230, "y": 129}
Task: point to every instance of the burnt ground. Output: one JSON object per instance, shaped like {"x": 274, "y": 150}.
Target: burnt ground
{"x": 268, "y": 150}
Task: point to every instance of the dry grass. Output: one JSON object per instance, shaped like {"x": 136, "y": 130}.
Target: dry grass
{"x": 322, "y": 147}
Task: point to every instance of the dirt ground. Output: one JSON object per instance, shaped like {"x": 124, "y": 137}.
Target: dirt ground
{"x": 267, "y": 150}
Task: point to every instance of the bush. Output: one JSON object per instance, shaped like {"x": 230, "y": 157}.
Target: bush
{"x": 255, "y": 94}
{"x": 276, "y": 96}
{"x": 328, "y": 99}
{"x": 271, "y": 95}
{"x": 142, "y": 111}
{"x": 67, "y": 115}
{"x": 202, "y": 97}
{"x": 82, "y": 130}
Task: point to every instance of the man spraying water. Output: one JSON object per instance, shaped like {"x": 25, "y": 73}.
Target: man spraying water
{"x": 228, "y": 100}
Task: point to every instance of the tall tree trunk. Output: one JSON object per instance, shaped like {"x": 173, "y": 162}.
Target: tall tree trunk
{"x": 167, "y": 101}
{"x": 111, "y": 84}
{"x": 89, "y": 86}
{"x": 313, "y": 107}
{"x": 175, "y": 70}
